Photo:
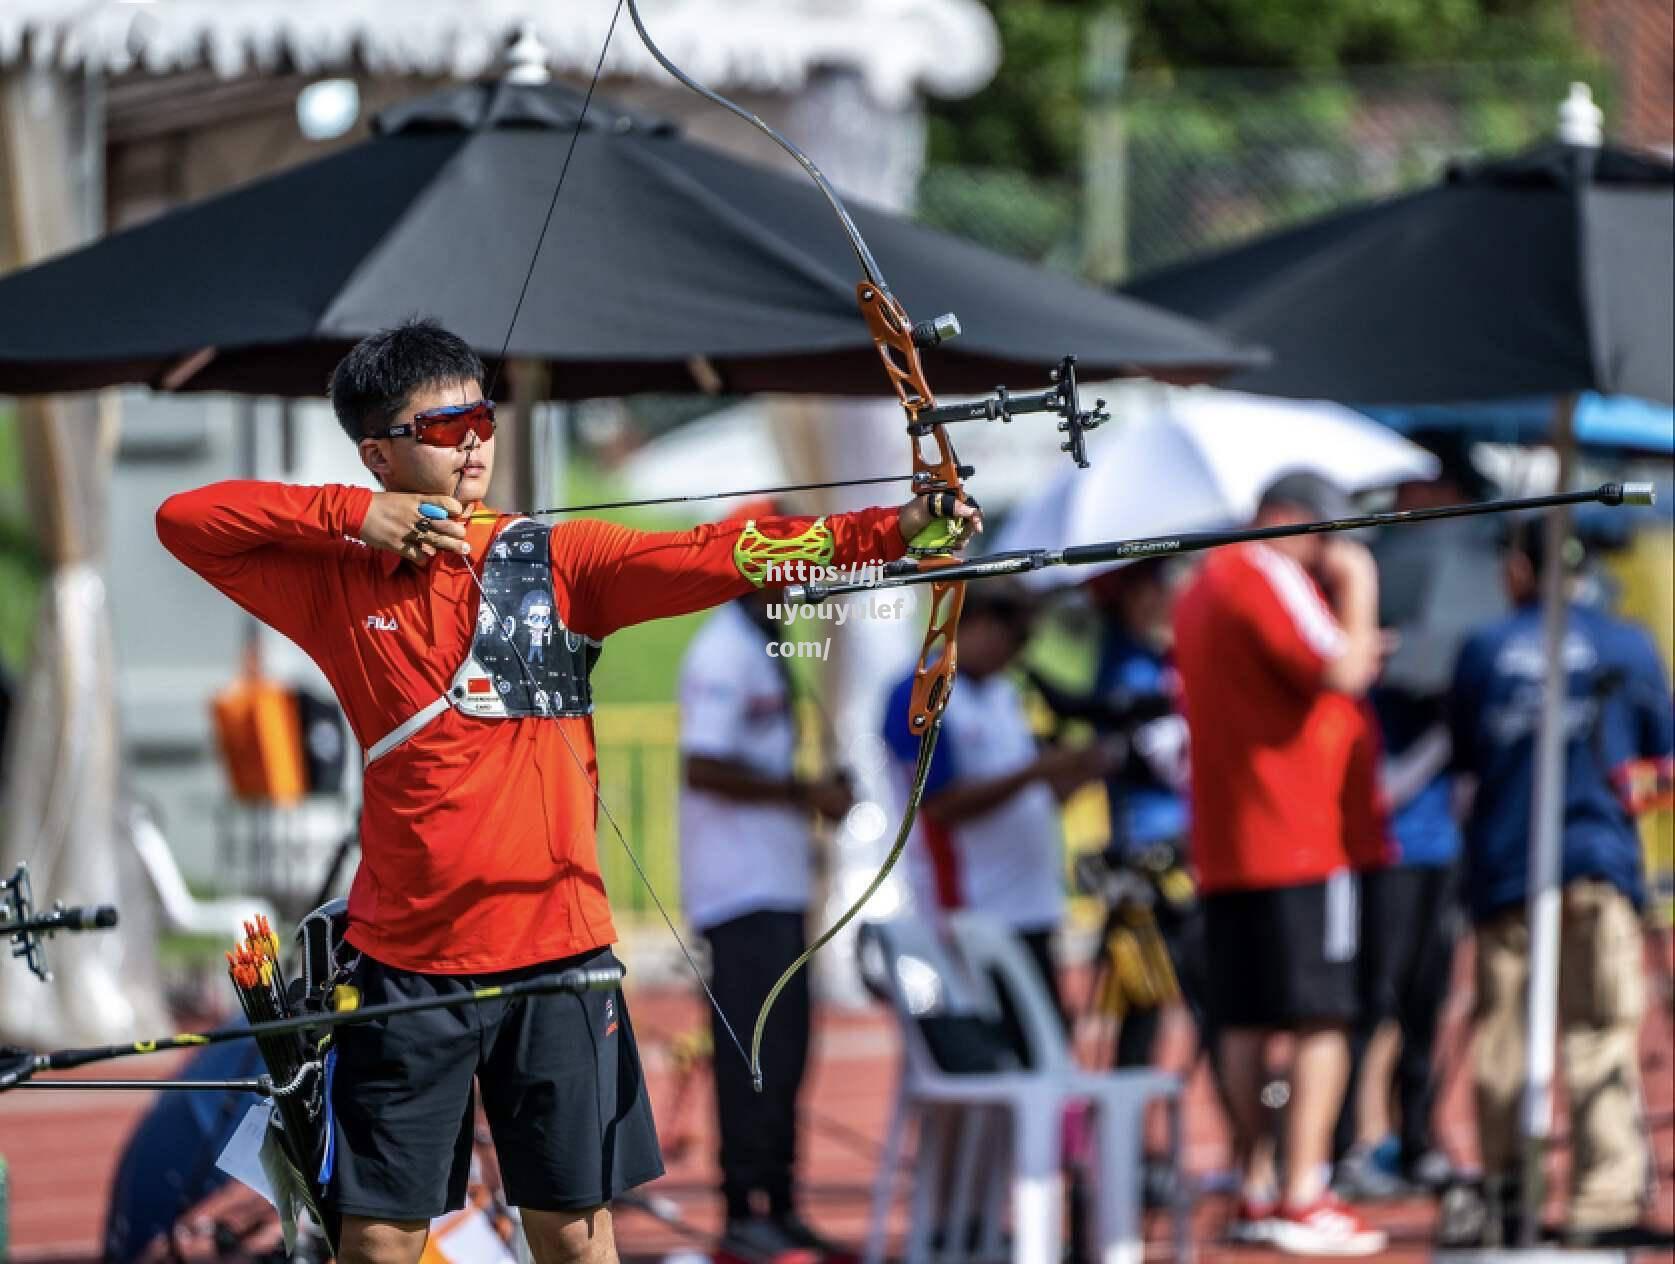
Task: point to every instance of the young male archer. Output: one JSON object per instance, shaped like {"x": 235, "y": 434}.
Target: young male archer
{"x": 479, "y": 800}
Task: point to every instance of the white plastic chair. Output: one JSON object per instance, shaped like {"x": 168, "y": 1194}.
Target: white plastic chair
{"x": 992, "y": 1139}
{"x": 183, "y": 911}
{"x": 967, "y": 1123}
{"x": 1119, "y": 1099}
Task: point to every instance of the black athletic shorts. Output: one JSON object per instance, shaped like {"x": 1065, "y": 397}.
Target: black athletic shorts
{"x": 1283, "y": 956}
{"x": 560, "y": 1081}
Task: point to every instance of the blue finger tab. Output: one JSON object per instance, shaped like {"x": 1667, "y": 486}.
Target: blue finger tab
{"x": 432, "y": 511}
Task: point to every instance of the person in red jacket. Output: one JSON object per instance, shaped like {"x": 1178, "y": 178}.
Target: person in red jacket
{"x": 460, "y": 649}
{"x": 1275, "y": 643}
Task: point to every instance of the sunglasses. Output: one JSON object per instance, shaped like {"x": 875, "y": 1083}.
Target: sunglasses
{"x": 446, "y": 427}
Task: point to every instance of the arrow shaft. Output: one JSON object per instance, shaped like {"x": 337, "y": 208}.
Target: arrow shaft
{"x": 965, "y": 471}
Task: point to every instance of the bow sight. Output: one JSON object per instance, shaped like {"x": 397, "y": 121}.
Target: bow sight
{"x": 1061, "y": 399}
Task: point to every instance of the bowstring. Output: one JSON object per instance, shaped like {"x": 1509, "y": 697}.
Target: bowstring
{"x": 592, "y": 784}
{"x": 552, "y": 204}
{"x": 875, "y": 480}
{"x": 610, "y": 817}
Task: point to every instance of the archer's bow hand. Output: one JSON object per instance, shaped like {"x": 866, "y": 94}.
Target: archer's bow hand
{"x": 939, "y": 521}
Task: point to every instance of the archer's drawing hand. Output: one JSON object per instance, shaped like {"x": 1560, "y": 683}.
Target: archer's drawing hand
{"x": 395, "y": 525}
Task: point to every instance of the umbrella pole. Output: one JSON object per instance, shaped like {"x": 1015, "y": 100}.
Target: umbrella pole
{"x": 1543, "y": 898}
{"x": 516, "y": 477}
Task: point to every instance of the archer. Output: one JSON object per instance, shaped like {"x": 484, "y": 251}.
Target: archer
{"x": 459, "y": 642}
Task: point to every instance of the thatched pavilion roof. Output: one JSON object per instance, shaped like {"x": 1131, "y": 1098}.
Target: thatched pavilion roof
{"x": 898, "y": 47}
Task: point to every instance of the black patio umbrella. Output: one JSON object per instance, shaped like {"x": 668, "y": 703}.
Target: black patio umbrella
{"x": 661, "y": 250}
{"x": 1547, "y": 273}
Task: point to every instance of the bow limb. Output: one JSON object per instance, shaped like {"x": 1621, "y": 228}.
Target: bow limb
{"x": 927, "y": 747}
{"x": 933, "y": 675}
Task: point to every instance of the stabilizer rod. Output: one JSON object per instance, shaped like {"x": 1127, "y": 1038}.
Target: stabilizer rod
{"x": 907, "y": 572}
{"x": 17, "y": 1065}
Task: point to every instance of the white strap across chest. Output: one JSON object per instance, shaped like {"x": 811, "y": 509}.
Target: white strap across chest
{"x": 396, "y": 736}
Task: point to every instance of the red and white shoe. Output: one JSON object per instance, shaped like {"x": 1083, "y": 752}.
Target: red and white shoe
{"x": 1253, "y": 1221}
{"x": 1325, "y": 1227}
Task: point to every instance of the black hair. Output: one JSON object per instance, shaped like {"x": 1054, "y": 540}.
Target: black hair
{"x": 383, "y": 370}
{"x": 1003, "y": 602}
{"x": 1526, "y": 536}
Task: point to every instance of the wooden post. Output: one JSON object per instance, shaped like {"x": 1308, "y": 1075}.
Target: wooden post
{"x": 62, "y": 770}
{"x": 516, "y": 480}
{"x": 1105, "y": 147}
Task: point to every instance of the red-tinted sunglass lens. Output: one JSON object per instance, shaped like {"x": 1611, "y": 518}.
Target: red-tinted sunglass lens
{"x": 448, "y": 430}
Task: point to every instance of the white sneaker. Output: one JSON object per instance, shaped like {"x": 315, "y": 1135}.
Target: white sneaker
{"x": 1253, "y": 1222}
{"x": 1325, "y": 1228}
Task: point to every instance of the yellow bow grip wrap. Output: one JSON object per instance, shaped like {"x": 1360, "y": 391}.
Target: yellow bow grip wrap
{"x": 754, "y": 553}
{"x": 941, "y": 535}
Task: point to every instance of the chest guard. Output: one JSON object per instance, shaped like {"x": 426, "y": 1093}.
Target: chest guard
{"x": 523, "y": 663}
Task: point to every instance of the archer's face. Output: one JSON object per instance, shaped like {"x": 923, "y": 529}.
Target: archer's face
{"x": 406, "y": 465}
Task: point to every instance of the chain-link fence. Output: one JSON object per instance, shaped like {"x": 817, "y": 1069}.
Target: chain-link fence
{"x": 1175, "y": 165}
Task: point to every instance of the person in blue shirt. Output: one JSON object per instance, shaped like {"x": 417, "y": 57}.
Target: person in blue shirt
{"x": 1148, "y": 806}
{"x": 1437, "y": 583}
{"x": 1618, "y": 722}
{"x": 1135, "y": 677}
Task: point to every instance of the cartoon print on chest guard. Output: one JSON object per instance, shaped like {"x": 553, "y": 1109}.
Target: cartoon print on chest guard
{"x": 536, "y": 615}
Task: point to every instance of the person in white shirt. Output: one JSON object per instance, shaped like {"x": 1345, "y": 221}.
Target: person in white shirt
{"x": 988, "y": 833}
{"x": 746, "y": 833}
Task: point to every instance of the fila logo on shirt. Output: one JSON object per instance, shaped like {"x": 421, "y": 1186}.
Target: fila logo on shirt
{"x": 381, "y": 623}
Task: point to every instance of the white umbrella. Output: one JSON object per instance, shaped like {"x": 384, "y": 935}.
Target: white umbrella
{"x": 1198, "y": 458}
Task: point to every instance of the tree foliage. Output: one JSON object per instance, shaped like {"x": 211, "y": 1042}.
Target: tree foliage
{"x": 1028, "y": 119}
{"x": 1311, "y": 35}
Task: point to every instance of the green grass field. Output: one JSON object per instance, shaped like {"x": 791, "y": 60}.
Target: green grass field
{"x": 20, "y": 569}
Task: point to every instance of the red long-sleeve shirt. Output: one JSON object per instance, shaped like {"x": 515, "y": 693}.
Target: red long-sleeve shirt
{"x": 477, "y": 836}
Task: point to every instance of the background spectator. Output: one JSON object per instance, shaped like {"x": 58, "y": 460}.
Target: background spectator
{"x": 1274, "y": 643}
{"x": 746, "y": 839}
{"x": 1143, "y": 873}
{"x": 1617, "y": 716}
{"x": 1436, "y": 582}
{"x": 988, "y": 836}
